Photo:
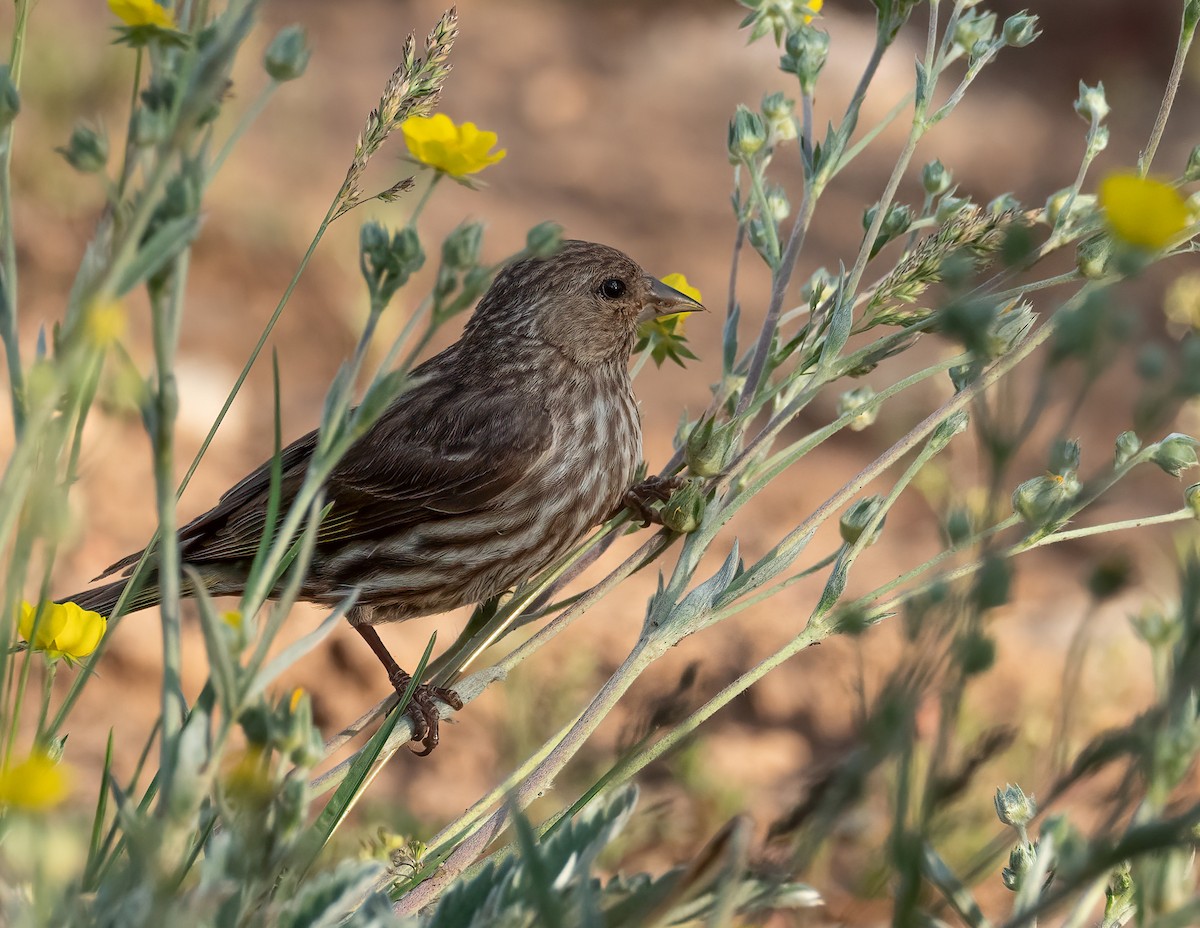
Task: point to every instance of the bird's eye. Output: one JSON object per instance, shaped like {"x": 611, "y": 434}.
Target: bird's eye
{"x": 613, "y": 288}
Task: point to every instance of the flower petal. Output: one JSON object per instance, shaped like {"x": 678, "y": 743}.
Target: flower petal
{"x": 1143, "y": 212}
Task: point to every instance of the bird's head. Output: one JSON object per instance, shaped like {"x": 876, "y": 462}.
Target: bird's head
{"x": 585, "y": 300}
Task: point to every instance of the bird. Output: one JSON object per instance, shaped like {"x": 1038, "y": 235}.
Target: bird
{"x": 504, "y": 450}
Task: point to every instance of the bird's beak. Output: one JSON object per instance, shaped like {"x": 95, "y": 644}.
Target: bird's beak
{"x": 666, "y": 301}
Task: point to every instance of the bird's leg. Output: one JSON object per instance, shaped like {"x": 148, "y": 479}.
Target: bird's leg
{"x": 651, "y": 490}
{"x": 421, "y": 707}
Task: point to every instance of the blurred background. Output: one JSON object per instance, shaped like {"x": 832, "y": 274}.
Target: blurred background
{"x": 614, "y": 117}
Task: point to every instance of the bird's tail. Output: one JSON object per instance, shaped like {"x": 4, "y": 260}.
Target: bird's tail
{"x": 103, "y": 599}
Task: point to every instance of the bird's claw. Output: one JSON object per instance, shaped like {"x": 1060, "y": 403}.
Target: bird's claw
{"x": 639, "y": 497}
{"x": 423, "y": 711}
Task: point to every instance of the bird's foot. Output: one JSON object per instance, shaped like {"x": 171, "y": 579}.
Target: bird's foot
{"x": 423, "y": 710}
{"x": 639, "y": 497}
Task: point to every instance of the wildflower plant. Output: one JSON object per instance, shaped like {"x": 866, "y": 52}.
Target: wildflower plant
{"x": 223, "y": 812}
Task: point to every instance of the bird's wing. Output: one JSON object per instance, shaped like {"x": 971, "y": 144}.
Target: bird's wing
{"x": 440, "y": 450}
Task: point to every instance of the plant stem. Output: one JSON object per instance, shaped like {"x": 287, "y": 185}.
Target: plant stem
{"x": 247, "y": 119}
{"x": 166, "y": 310}
{"x": 1187, "y": 32}
{"x": 425, "y": 195}
{"x": 8, "y": 257}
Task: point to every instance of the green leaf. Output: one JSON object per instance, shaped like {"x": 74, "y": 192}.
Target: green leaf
{"x": 222, "y": 672}
{"x": 166, "y": 243}
{"x": 297, "y": 649}
{"x": 664, "y": 337}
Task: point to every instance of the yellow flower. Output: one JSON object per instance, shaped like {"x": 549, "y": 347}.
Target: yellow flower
{"x": 35, "y": 784}
{"x": 663, "y": 335}
{"x": 297, "y": 695}
{"x": 105, "y": 323}
{"x": 1143, "y": 212}
{"x": 64, "y": 630}
{"x": 814, "y": 5}
{"x": 142, "y": 13}
{"x": 680, "y": 283}
{"x": 455, "y": 150}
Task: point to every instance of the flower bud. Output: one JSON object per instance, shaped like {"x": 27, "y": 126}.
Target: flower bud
{"x": 778, "y": 111}
{"x": 1020, "y": 862}
{"x": 1092, "y": 104}
{"x": 710, "y": 446}
{"x": 896, "y": 222}
{"x": 936, "y": 178}
{"x": 1128, "y": 444}
{"x": 806, "y": 53}
{"x": 87, "y": 149}
{"x": 287, "y": 55}
{"x": 406, "y": 249}
{"x": 747, "y": 134}
{"x": 1191, "y": 172}
{"x": 1064, "y": 457}
{"x": 979, "y": 49}
{"x": 1175, "y": 454}
{"x": 1013, "y": 807}
{"x": 10, "y": 98}
{"x": 974, "y": 30}
{"x": 756, "y": 232}
{"x": 1156, "y": 629}
{"x": 544, "y": 239}
{"x": 1097, "y": 142}
{"x": 1092, "y": 256}
{"x": 460, "y": 250}
{"x": 778, "y": 207}
{"x": 373, "y": 240}
{"x": 855, "y": 520}
{"x": 777, "y": 106}
{"x": 1040, "y": 501}
{"x": 953, "y": 424}
{"x": 858, "y": 402}
{"x": 819, "y": 287}
{"x": 684, "y": 511}
{"x": 1191, "y": 499}
{"x": 949, "y": 207}
{"x": 1020, "y": 29}
{"x": 1004, "y": 203}
{"x": 388, "y": 261}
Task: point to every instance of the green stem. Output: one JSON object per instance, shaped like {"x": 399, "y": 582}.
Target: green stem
{"x": 127, "y": 158}
{"x": 8, "y": 255}
{"x": 1187, "y": 32}
{"x": 247, "y": 119}
{"x": 425, "y": 195}
{"x": 165, "y": 315}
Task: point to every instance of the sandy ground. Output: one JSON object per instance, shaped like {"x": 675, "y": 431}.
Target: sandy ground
{"x": 614, "y": 118}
